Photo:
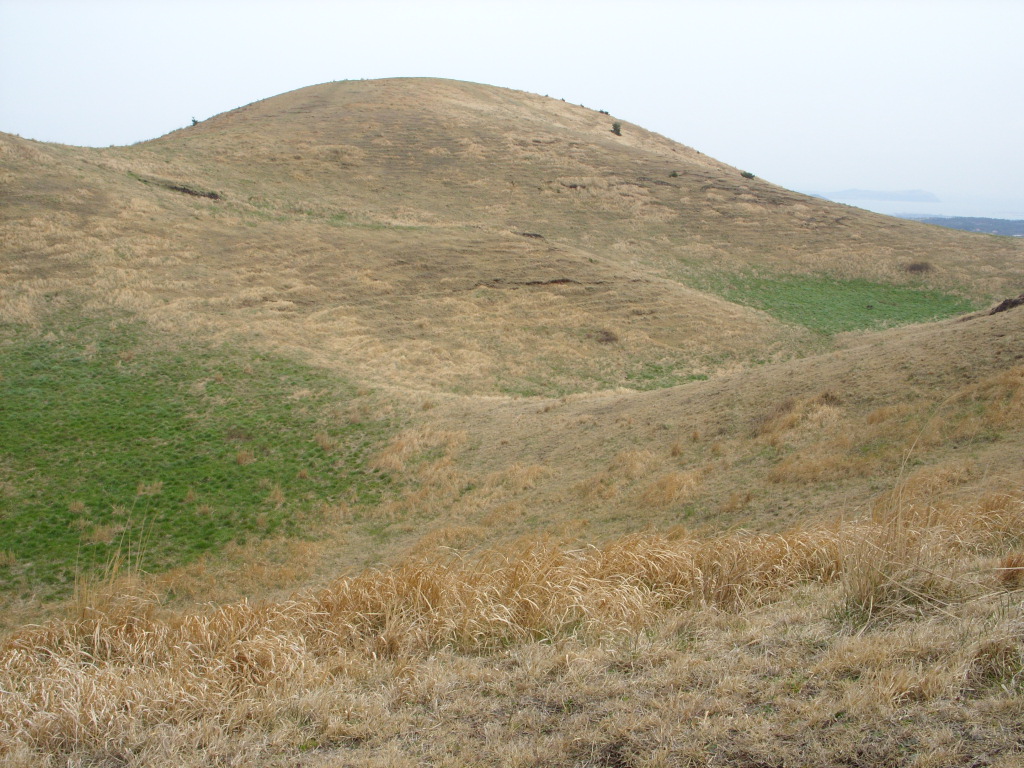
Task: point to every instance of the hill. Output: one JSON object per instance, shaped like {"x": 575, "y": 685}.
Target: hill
{"x": 397, "y": 220}
{"x": 421, "y": 381}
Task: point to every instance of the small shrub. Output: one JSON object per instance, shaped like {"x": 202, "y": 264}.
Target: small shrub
{"x": 827, "y": 397}
{"x": 617, "y": 128}
{"x": 674, "y": 175}
{"x": 747, "y": 175}
{"x": 918, "y": 267}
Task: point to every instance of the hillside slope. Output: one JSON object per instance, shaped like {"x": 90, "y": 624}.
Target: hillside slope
{"x": 452, "y": 236}
{"x": 416, "y": 422}
{"x": 453, "y": 245}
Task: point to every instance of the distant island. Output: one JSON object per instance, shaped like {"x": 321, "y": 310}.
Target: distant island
{"x": 1010, "y": 227}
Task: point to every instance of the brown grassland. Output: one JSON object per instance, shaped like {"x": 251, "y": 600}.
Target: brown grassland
{"x": 631, "y": 522}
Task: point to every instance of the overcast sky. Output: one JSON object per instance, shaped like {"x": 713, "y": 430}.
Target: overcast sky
{"x": 816, "y": 95}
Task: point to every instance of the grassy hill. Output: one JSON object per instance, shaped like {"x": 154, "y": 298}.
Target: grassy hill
{"x": 595, "y": 410}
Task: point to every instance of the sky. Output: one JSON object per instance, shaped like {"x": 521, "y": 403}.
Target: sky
{"x": 819, "y": 96}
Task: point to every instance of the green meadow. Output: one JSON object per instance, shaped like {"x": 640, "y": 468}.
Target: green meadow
{"x": 117, "y": 442}
{"x": 829, "y": 305}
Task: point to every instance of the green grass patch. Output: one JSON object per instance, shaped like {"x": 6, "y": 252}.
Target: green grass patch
{"x": 558, "y": 380}
{"x": 540, "y": 386}
{"x": 829, "y": 305}
{"x": 651, "y": 375}
{"x": 111, "y": 439}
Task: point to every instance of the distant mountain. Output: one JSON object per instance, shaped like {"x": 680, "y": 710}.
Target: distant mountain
{"x": 1011, "y": 227}
{"x": 903, "y": 196}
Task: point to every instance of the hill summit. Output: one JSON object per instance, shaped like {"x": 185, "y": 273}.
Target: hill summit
{"x": 462, "y": 237}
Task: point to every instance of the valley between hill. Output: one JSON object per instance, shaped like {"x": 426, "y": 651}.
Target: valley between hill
{"x": 487, "y": 435}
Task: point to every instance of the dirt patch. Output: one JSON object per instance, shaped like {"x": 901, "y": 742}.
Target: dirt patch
{"x": 1006, "y": 304}
{"x": 182, "y": 188}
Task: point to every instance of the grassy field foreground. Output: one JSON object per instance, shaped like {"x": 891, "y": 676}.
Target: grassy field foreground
{"x": 890, "y": 641}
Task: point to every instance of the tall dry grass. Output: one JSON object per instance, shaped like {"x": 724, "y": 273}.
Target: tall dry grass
{"x": 122, "y": 674}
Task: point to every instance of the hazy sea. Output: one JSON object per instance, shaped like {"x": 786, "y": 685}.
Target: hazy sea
{"x": 946, "y": 206}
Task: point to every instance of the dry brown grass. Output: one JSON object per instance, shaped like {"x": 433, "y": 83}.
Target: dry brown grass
{"x": 245, "y": 456}
{"x": 129, "y": 680}
{"x": 673, "y": 488}
{"x": 413, "y": 444}
{"x": 1010, "y": 570}
{"x": 517, "y": 477}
